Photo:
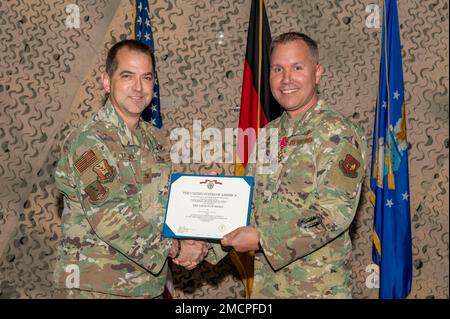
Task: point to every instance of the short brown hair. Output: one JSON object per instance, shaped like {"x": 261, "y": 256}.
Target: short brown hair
{"x": 133, "y": 45}
{"x": 296, "y": 36}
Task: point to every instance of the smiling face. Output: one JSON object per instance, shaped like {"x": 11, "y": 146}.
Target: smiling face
{"x": 131, "y": 85}
{"x": 294, "y": 76}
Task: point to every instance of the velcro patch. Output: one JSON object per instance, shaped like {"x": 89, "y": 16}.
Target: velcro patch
{"x": 346, "y": 171}
{"x": 85, "y": 161}
{"x": 296, "y": 140}
{"x": 349, "y": 166}
{"x": 309, "y": 222}
{"x": 105, "y": 173}
{"x": 96, "y": 192}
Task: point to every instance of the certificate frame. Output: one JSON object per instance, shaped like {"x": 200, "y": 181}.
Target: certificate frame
{"x": 168, "y": 232}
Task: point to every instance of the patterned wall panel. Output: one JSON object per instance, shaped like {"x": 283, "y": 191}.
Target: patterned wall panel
{"x": 43, "y": 62}
{"x": 47, "y": 87}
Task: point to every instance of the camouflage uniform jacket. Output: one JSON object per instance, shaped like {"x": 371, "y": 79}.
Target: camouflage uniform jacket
{"x": 303, "y": 210}
{"x": 115, "y": 184}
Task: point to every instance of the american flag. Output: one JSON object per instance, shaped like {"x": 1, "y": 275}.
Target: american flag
{"x": 143, "y": 33}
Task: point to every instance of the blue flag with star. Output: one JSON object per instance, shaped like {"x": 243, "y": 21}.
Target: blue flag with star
{"x": 143, "y": 33}
{"x": 389, "y": 181}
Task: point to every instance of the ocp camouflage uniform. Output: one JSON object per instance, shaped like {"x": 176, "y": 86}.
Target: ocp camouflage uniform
{"x": 303, "y": 210}
{"x": 115, "y": 182}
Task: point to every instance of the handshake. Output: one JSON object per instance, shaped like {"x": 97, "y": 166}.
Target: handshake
{"x": 188, "y": 253}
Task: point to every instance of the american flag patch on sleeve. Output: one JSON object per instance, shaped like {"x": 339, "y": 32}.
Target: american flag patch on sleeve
{"x": 85, "y": 161}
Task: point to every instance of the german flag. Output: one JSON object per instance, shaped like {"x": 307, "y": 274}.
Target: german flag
{"x": 258, "y": 107}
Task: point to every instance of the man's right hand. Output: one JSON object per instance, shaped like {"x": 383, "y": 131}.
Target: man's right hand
{"x": 192, "y": 253}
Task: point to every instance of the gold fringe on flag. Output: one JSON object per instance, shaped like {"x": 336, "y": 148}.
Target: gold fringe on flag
{"x": 372, "y": 197}
{"x": 133, "y": 27}
{"x": 377, "y": 243}
{"x": 244, "y": 263}
{"x": 391, "y": 178}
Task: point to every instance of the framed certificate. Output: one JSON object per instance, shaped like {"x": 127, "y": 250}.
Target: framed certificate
{"x": 207, "y": 206}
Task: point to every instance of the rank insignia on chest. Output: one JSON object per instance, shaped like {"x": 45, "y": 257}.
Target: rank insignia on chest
{"x": 349, "y": 166}
{"x": 104, "y": 171}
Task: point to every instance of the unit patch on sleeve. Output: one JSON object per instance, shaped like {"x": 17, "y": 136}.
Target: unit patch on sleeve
{"x": 347, "y": 170}
{"x": 349, "y": 166}
{"x": 105, "y": 173}
{"x": 96, "y": 192}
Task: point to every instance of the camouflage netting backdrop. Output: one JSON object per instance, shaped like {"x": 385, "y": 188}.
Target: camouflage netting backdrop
{"x": 50, "y": 82}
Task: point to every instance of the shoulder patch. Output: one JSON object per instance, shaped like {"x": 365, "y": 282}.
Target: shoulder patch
{"x": 347, "y": 170}
{"x": 85, "y": 161}
{"x": 349, "y": 166}
{"x": 104, "y": 171}
{"x": 96, "y": 192}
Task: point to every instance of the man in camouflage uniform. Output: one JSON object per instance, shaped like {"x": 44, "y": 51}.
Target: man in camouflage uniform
{"x": 114, "y": 174}
{"x": 303, "y": 210}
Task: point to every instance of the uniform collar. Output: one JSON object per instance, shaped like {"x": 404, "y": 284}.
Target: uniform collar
{"x": 109, "y": 115}
{"x": 295, "y": 122}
